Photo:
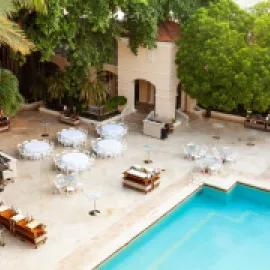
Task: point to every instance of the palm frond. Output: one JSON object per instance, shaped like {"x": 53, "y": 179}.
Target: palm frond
{"x": 12, "y": 5}
{"x": 13, "y": 36}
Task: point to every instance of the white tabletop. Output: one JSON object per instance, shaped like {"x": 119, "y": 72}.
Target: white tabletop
{"x": 113, "y": 128}
{"x": 73, "y": 135}
{"x": 36, "y": 147}
{"x": 93, "y": 195}
{"x": 109, "y": 145}
{"x": 75, "y": 161}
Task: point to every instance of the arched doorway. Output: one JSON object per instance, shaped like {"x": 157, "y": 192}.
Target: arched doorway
{"x": 181, "y": 98}
{"x": 144, "y": 96}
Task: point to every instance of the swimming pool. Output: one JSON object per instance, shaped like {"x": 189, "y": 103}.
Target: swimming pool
{"x": 212, "y": 230}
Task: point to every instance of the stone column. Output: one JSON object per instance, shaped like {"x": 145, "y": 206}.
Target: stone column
{"x": 127, "y": 89}
{"x": 165, "y": 103}
{"x": 191, "y": 103}
{"x": 152, "y": 95}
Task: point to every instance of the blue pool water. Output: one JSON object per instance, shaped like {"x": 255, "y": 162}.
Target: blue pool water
{"x": 211, "y": 230}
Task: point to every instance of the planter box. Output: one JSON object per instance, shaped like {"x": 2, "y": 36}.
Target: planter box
{"x": 152, "y": 129}
{"x": 69, "y": 120}
{"x": 4, "y": 125}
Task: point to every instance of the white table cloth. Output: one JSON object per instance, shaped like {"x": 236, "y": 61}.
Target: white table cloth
{"x": 72, "y": 135}
{"x": 108, "y": 147}
{"x": 36, "y": 147}
{"x": 75, "y": 161}
{"x": 113, "y": 130}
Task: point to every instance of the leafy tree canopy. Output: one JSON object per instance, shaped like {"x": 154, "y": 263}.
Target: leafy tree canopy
{"x": 220, "y": 62}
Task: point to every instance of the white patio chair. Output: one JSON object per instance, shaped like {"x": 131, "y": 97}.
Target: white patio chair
{"x": 203, "y": 151}
{"x": 200, "y": 166}
{"x": 182, "y": 116}
{"x": 58, "y": 185}
{"x": 216, "y": 154}
{"x": 215, "y": 168}
{"x": 124, "y": 113}
{"x": 37, "y": 156}
{"x": 187, "y": 153}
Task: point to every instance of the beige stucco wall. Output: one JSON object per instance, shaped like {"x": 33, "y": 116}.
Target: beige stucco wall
{"x": 156, "y": 66}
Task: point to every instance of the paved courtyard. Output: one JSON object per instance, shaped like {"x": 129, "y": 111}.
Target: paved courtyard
{"x": 79, "y": 241}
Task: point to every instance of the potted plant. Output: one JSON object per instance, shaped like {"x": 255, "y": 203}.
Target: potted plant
{"x": 121, "y": 102}
{"x": 116, "y": 103}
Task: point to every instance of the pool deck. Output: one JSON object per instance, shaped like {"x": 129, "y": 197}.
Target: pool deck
{"x": 79, "y": 241}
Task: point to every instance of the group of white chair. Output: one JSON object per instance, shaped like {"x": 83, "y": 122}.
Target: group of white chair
{"x": 193, "y": 151}
{"x": 72, "y": 143}
{"x": 34, "y": 155}
{"x": 209, "y": 162}
{"x": 68, "y": 183}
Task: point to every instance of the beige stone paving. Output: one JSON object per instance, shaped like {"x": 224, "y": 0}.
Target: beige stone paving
{"x": 78, "y": 241}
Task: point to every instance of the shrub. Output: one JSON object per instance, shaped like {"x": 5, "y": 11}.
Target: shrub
{"x": 113, "y": 102}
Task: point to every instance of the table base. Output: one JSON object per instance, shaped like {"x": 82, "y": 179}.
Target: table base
{"x": 250, "y": 144}
{"x": 94, "y": 212}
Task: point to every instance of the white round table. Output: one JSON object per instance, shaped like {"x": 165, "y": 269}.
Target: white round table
{"x": 94, "y": 196}
{"x": 75, "y": 161}
{"x": 113, "y": 130}
{"x": 36, "y": 147}
{"x": 72, "y": 136}
{"x": 109, "y": 147}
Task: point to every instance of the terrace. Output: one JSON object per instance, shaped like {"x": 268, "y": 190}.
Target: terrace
{"x": 79, "y": 241}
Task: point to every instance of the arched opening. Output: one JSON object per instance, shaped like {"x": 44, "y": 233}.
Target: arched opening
{"x": 181, "y": 98}
{"x": 144, "y": 96}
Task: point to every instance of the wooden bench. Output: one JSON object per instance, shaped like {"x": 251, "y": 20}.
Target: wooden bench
{"x": 20, "y": 226}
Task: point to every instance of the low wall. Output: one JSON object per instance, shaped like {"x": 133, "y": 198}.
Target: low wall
{"x": 227, "y": 117}
{"x": 82, "y": 119}
{"x": 31, "y": 106}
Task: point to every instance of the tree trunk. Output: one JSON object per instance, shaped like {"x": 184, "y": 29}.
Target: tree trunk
{"x": 208, "y": 113}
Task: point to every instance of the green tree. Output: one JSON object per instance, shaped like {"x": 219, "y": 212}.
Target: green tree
{"x": 87, "y": 32}
{"x": 261, "y": 29}
{"x": 179, "y": 9}
{"x": 10, "y": 97}
{"x": 219, "y": 64}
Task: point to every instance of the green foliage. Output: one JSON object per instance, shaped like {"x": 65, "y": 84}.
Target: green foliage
{"x": 56, "y": 86}
{"x": 217, "y": 65}
{"x": 93, "y": 88}
{"x": 113, "y": 102}
{"x": 261, "y": 29}
{"x": 261, "y": 8}
{"x": 10, "y": 97}
{"x": 181, "y": 9}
